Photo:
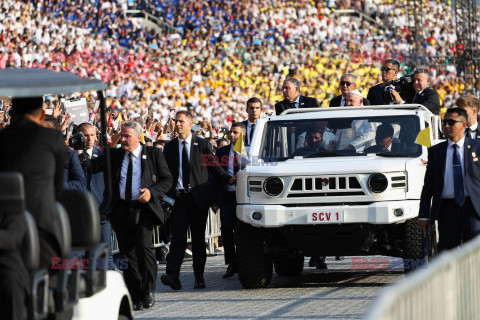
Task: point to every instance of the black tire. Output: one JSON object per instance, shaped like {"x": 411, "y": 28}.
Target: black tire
{"x": 254, "y": 266}
{"x": 290, "y": 266}
{"x": 414, "y": 251}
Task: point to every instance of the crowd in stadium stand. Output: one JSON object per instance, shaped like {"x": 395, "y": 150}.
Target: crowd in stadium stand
{"x": 224, "y": 52}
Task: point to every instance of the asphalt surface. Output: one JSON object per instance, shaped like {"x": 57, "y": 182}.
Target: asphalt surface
{"x": 345, "y": 291}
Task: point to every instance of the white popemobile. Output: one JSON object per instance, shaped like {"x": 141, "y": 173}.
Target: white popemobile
{"x": 317, "y": 185}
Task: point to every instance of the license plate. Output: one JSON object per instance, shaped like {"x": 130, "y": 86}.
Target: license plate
{"x": 325, "y": 216}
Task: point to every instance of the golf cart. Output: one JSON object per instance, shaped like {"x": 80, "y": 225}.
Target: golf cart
{"x": 81, "y": 292}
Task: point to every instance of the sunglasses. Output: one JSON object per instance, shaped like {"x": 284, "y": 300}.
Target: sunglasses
{"x": 346, "y": 83}
{"x": 450, "y": 122}
{"x": 387, "y": 69}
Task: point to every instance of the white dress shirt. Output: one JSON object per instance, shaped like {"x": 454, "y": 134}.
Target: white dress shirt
{"x": 231, "y": 157}
{"x": 473, "y": 131}
{"x": 136, "y": 173}
{"x": 448, "y": 181}
{"x": 180, "y": 151}
{"x": 343, "y": 101}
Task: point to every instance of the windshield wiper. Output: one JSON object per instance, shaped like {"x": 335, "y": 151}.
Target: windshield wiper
{"x": 323, "y": 154}
{"x": 393, "y": 154}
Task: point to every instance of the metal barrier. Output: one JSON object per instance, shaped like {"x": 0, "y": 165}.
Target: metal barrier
{"x": 211, "y": 232}
{"x": 449, "y": 288}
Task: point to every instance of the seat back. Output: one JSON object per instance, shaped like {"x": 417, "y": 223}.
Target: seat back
{"x": 12, "y": 192}
{"x": 30, "y": 244}
{"x": 66, "y": 233}
{"x": 82, "y": 210}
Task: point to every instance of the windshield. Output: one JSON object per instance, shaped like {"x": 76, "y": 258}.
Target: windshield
{"x": 385, "y": 136}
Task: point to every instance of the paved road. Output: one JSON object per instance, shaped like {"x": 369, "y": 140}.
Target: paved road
{"x": 338, "y": 293}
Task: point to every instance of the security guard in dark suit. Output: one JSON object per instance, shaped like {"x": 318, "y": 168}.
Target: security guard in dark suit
{"x": 451, "y": 192}
{"x": 292, "y": 97}
{"x": 38, "y": 153}
{"x": 140, "y": 178}
{"x": 389, "y": 69}
{"x": 190, "y": 160}
{"x": 425, "y": 95}
{"x": 471, "y": 105}
{"x": 254, "y": 111}
{"x": 347, "y": 84}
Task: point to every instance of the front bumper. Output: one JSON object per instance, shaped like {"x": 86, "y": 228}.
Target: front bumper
{"x": 273, "y": 216}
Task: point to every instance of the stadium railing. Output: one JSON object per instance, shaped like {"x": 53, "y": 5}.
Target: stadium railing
{"x": 211, "y": 232}
{"x": 168, "y": 28}
{"x": 360, "y": 15}
{"x": 449, "y": 288}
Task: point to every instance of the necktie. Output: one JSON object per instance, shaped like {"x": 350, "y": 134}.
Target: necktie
{"x": 468, "y": 133}
{"x": 416, "y": 97}
{"x": 458, "y": 177}
{"x": 128, "y": 184}
{"x": 185, "y": 166}
{"x": 88, "y": 175}
{"x": 252, "y": 130}
{"x": 293, "y": 105}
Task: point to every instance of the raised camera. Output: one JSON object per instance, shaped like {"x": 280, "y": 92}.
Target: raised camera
{"x": 77, "y": 141}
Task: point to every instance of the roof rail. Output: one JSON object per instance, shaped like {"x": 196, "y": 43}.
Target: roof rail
{"x": 399, "y": 106}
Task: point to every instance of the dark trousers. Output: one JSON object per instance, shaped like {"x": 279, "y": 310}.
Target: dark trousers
{"x": 106, "y": 237}
{"x": 456, "y": 224}
{"x": 13, "y": 302}
{"x": 48, "y": 248}
{"x": 136, "y": 245}
{"x": 228, "y": 219}
{"x": 185, "y": 214}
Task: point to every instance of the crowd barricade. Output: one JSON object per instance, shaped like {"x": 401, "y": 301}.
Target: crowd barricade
{"x": 448, "y": 288}
{"x": 211, "y": 232}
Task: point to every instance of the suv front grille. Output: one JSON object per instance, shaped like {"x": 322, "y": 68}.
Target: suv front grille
{"x": 325, "y": 187}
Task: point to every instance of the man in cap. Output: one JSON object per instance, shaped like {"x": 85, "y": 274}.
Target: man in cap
{"x": 38, "y": 153}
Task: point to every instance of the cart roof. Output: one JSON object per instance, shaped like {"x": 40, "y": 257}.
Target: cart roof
{"x": 22, "y": 83}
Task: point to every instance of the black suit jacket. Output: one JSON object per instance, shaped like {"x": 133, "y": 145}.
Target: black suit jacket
{"x": 433, "y": 184}
{"x": 305, "y": 102}
{"x": 155, "y": 176}
{"x": 38, "y": 154}
{"x": 202, "y": 170}
{"x": 375, "y": 94}
{"x": 430, "y": 99}
{"x": 477, "y": 137}
{"x": 335, "y": 102}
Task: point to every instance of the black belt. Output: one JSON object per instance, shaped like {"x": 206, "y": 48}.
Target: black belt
{"x": 181, "y": 192}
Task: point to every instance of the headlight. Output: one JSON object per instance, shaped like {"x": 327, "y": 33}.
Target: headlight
{"x": 377, "y": 182}
{"x": 273, "y": 186}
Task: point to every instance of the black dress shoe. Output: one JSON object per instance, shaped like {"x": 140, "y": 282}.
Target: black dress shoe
{"x": 199, "y": 283}
{"x": 313, "y": 262}
{"x": 148, "y": 300}
{"x": 171, "y": 281}
{"x": 338, "y": 258}
{"x": 137, "y": 305}
{"x": 231, "y": 270}
{"x": 322, "y": 265}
